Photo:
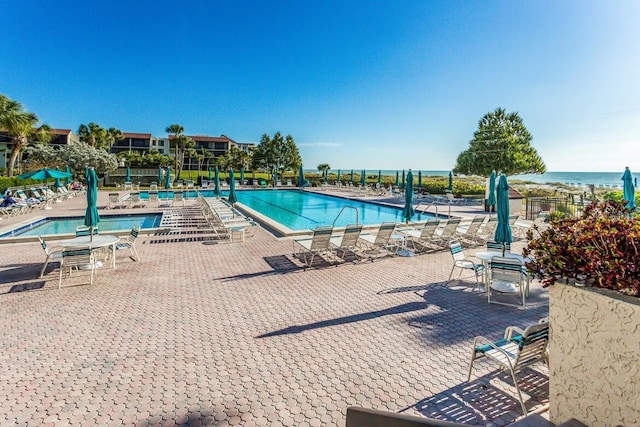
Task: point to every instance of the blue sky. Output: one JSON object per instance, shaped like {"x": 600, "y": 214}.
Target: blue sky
{"x": 358, "y": 84}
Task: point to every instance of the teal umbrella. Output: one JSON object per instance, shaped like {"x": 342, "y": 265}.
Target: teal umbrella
{"x": 491, "y": 201}
{"x": 628, "y": 191}
{"x": 379, "y": 178}
{"x": 58, "y": 184}
{"x": 275, "y": 177}
{"x": 403, "y": 180}
{"x": 167, "y": 177}
{"x": 301, "y": 177}
{"x": 338, "y": 179}
{"x": 450, "y": 188}
{"x": 128, "y": 177}
{"x": 363, "y": 178}
{"x": 326, "y": 175}
{"x": 232, "y": 188}
{"x": 408, "y": 211}
{"x": 91, "y": 216}
{"x": 209, "y": 174}
{"x": 216, "y": 183}
{"x": 503, "y": 230}
{"x": 351, "y": 176}
{"x": 397, "y": 179}
{"x": 67, "y": 180}
{"x": 159, "y": 175}
{"x": 241, "y": 175}
{"x": 44, "y": 173}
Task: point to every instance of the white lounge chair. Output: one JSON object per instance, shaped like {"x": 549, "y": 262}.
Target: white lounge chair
{"x": 384, "y": 240}
{"x": 308, "y": 248}
{"x": 347, "y": 242}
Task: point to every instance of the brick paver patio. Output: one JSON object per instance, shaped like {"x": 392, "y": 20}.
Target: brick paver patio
{"x": 238, "y": 334}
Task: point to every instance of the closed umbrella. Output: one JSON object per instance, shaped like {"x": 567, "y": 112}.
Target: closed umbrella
{"x": 628, "y": 191}
{"x": 128, "y": 177}
{"x": 491, "y": 200}
{"x": 58, "y": 184}
{"x": 503, "y": 230}
{"x": 301, "y": 177}
{"x": 275, "y": 177}
{"x": 407, "y": 211}
{"x": 232, "y": 188}
{"x": 159, "y": 175}
{"x": 91, "y": 216}
{"x": 241, "y": 175}
{"x": 216, "y": 183}
{"x": 67, "y": 180}
{"x": 450, "y": 188}
{"x": 363, "y": 178}
{"x": 419, "y": 179}
{"x": 379, "y": 178}
{"x": 338, "y": 179}
{"x": 397, "y": 179}
{"x": 403, "y": 179}
{"x": 167, "y": 177}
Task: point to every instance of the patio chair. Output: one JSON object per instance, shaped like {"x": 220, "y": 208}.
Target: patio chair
{"x": 517, "y": 350}
{"x": 78, "y": 259}
{"x": 488, "y": 230}
{"x": 153, "y": 186}
{"x": 450, "y": 230}
{"x": 424, "y": 235}
{"x": 308, "y": 248}
{"x": 153, "y": 198}
{"x": 83, "y": 230}
{"x": 135, "y": 200}
{"x": 470, "y": 236}
{"x": 461, "y": 262}
{"x": 384, "y": 239}
{"x": 114, "y": 200}
{"x": 130, "y": 243}
{"x": 493, "y": 246}
{"x": 128, "y": 186}
{"x": 178, "y": 197}
{"x": 507, "y": 277}
{"x": 346, "y": 242}
{"x": 54, "y": 253}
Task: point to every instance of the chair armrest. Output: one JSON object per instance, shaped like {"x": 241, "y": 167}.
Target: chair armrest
{"x": 508, "y": 333}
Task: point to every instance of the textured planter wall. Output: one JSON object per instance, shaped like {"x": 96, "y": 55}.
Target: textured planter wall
{"x": 595, "y": 356}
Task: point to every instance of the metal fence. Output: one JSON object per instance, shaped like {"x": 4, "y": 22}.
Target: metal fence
{"x": 569, "y": 205}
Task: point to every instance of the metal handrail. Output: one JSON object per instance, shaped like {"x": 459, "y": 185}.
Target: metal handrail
{"x": 340, "y": 213}
{"x": 432, "y": 203}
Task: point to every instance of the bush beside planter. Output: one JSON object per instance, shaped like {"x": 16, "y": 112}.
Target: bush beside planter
{"x": 595, "y": 356}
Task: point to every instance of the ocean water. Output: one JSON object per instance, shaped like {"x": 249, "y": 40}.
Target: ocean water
{"x": 606, "y": 179}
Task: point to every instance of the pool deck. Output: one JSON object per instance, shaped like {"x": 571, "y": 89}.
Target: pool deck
{"x": 240, "y": 334}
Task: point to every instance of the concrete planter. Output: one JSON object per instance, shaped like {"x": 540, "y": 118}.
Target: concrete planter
{"x": 595, "y": 356}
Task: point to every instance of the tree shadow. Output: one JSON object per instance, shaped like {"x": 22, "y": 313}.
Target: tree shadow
{"x": 19, "y": 272}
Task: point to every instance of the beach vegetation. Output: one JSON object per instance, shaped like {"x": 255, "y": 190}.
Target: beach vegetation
{"x": 501, "y": 143}
{"x": 180, "y": 143}
{"x": 20, "y": 126}
{"x": 599, "y": 248}
{"x": 276, "y": 154}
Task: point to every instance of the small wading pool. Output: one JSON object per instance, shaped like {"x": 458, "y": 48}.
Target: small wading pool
{"x": 67, "y": 225}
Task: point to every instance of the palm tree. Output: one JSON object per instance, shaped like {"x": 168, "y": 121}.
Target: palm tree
{"x": 180, "y": 143}
{"x": 93, "y": 134}
{"x": 113, "y": 135}
{"x": 18, "y": 124}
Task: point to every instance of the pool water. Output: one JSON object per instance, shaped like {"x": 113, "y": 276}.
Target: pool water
{"x": 67, "y": 225}
{"x": 300, "y": 210}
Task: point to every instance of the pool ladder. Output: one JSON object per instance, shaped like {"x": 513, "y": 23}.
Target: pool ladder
{"x": 429, "y": 205}
{"x": 342, "y": 210}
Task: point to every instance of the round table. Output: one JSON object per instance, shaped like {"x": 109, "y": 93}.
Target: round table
{"x": 486, "y": 256}
{"x": 98, "y": 241}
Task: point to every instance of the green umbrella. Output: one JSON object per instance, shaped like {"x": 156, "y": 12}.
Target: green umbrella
{"x": 338, "y": 179}
{"x": 128, "y": 177}
{"x": 351, "y": 176}
{"x": 159, "y": 175}
{"x": 232, "y": 188}
{"x": 419, "y": 179}
{"x": 241, "y": 175}
{"x": 628, "y": 191}
{"x": 67, "y": 180}
{"x": 363, "y": 178}
{"x": 44, "y": 173}
{"x": 397, "y": 179}
{"x": 503, "y": 230}
{"x": 91, "y": 217}
{"x": 216, "y": 183}
{"x": 379, "y": 178}
{"x": 491, "y": 201}
{"x": 403, "y": 180}
{"x": 167, "y": 177}
{"x": 209, "y": 174}
{"x": 301, "y": 177}
{"x": 408, "y": 211}
{"x": 275, "y": 177}
{"x": 326, "y": 175}
{"x": 450, "y": 188}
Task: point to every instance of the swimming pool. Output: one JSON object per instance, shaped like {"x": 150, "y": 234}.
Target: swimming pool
{"x": 302, "y": 210}
{"x": 67, "y": 225}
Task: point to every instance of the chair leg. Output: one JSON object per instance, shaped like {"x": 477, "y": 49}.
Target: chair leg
{"x": 473, "y": 358}
{"x": 44, "y": 267}
{"x": 451, "y": 274}
{"x": 515, "y": 382}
